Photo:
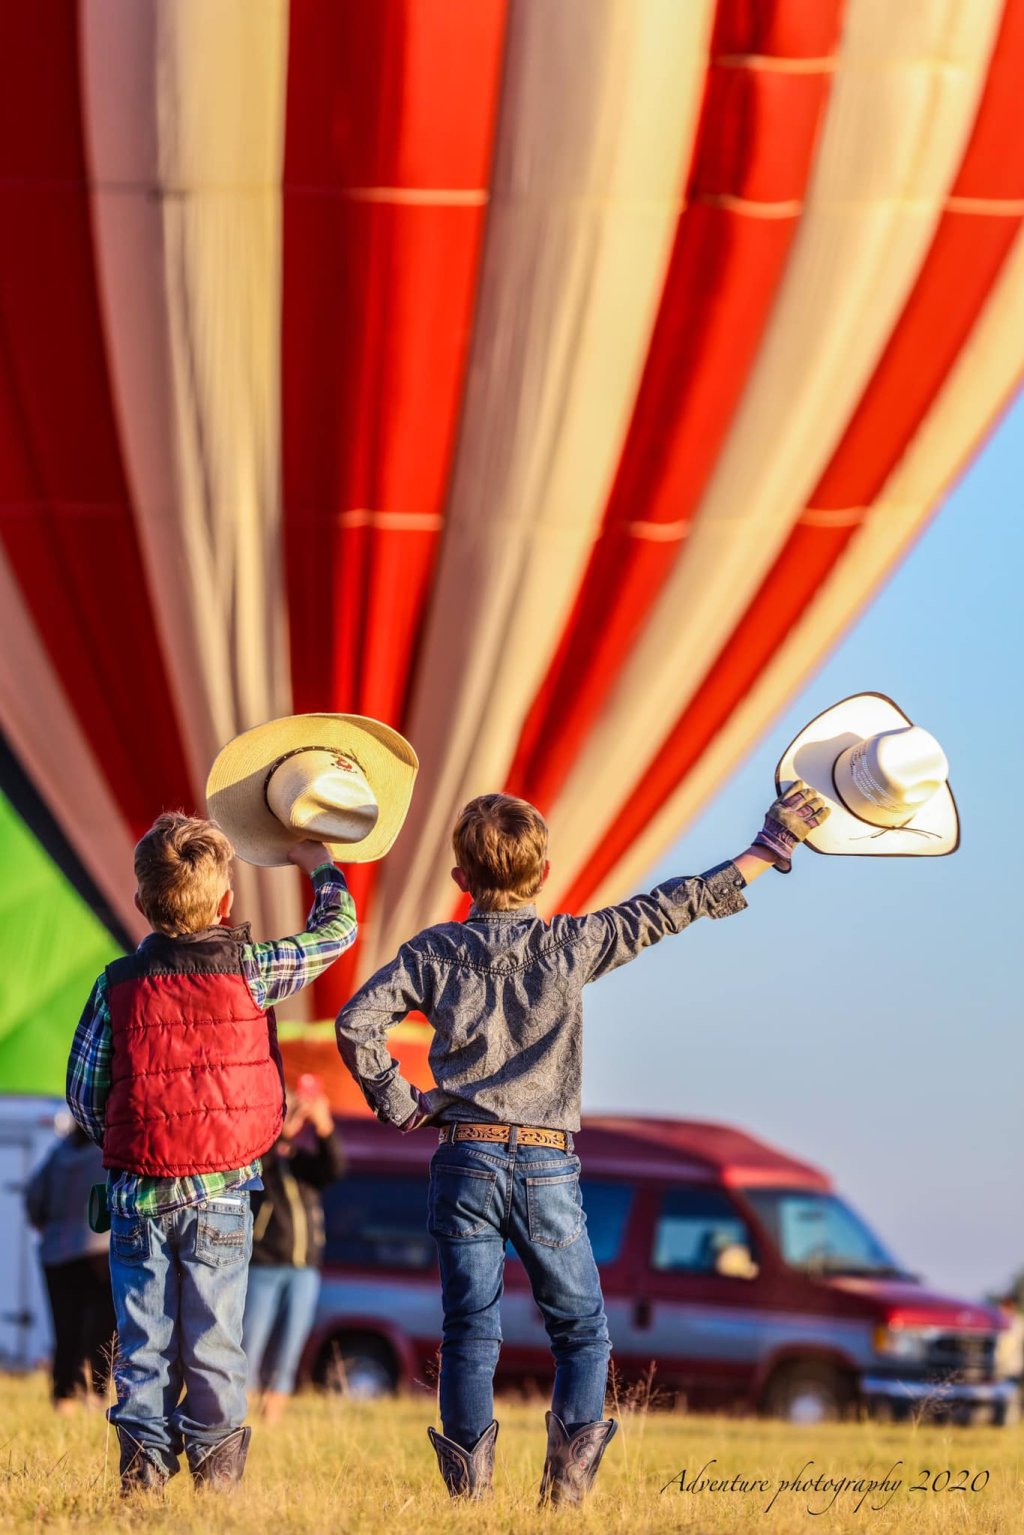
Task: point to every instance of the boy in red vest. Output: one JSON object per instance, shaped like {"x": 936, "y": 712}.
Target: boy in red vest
{"x": 176, "y": 1073}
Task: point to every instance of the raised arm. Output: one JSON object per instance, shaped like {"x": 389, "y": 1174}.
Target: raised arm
{"x": 276, "y": 970}
{"x": 619, "y": 933}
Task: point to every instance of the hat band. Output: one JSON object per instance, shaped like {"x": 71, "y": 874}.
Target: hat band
{"x": 865, "y": 784}
{"x": 298, "y": 751}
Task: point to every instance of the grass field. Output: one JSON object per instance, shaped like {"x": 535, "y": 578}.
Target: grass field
{"x": 336, "y": 1467}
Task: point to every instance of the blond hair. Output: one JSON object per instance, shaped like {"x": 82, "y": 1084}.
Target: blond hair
{"x": 183, "y": 867}
{"x": 501, "y": 845}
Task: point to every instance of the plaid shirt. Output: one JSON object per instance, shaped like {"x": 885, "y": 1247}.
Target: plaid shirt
{"x": 273, "y": 971}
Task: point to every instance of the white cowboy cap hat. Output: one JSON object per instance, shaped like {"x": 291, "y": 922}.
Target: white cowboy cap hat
{"x": 884, "y": 778}
{"x": 340, "y": 779}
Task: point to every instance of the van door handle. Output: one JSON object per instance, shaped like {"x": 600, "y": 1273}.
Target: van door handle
{"x": 642, "y": 1314}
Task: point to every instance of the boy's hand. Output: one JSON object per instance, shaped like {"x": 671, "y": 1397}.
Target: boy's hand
{"x": 421, "y": 1115}
{"x": 309, "y": 856}
{"x": 790, "y": 820}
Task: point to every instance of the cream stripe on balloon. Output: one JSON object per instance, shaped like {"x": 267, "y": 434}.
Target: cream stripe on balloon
{"x": 600, "y": 101}
{"x": 184, "y": 117}
{"x": 890, "y": 149}
{"x": 41, "y": 727}
{"x": 983, "y": 379}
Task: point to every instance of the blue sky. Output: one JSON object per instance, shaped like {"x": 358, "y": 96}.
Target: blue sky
{"x": 866, "y": 1014}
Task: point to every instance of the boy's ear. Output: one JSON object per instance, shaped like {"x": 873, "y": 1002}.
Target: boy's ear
{"x": 138, "y": 903}
{"x": 547, "y": 871}
{"x": 225, "y": 904}
{"x": 459, "y": 876}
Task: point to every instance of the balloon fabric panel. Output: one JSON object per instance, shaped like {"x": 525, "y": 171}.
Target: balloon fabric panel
{"x": 65, "y": 514}
{"x": 754, "y": 149}
{"x": 541, "y": 388}
{"x": 51, "y": 950}
{"x": 386, "y": 178}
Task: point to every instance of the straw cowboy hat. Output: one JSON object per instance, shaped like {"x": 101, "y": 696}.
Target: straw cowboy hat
{"x": 340, "y": 779}
{"x": 885, "y": 780}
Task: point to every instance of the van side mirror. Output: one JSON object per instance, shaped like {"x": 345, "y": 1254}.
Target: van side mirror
{"x": 735, "y": 1262}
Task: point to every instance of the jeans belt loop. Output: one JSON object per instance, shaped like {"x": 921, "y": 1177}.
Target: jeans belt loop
{"x": 513, "y": 1138}
{"x": 568, "y": 1143}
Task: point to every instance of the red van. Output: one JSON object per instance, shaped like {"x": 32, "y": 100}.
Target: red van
{"x": 734, "y": 1268}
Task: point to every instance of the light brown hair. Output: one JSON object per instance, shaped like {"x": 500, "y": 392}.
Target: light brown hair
{"x": 501, "y": 845}
{"x": 183, "y": 867}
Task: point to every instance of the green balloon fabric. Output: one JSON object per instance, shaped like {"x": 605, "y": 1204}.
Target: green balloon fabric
{"x": 52, "y": 948}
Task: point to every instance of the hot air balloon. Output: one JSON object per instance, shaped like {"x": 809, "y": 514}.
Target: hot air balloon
{"x": 555, "y": 381}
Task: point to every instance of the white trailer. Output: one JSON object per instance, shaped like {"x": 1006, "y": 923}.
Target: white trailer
{"x": 27, "y": 1129}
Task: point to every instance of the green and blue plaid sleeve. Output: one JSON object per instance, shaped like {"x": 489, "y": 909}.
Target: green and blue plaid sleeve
{"x": 88, "y": 1080}
{"x": 276, "y": 970}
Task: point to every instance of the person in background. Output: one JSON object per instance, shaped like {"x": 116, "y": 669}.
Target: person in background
{"x": 1010, "y": 1352}
{"x": 288, "y": 1242}
{"x": 76, "y": 1269}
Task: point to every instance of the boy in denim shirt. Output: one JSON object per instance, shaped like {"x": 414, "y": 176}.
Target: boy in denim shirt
{"x": 502, "y": 991}
{"x": 175, "y": 1072}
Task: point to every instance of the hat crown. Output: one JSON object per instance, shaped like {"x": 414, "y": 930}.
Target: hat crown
{"x": 322, "y": 794}
{"x": 887, "y": 778}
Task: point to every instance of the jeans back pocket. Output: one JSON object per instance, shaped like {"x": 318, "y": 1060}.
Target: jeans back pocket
{"x": 554, "y": 1209}
{"x": 461, "y": 1201}
{"x": 223, "y": 1231}
{"x": 129, "y": 1238}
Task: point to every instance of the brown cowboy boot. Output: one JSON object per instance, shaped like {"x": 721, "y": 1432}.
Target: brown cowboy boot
{"x": 466, "y": 1473}
{"x": 223, "y": 1465}
{"x": 572, "y": 1459}
{"x": 139, "y": 1473}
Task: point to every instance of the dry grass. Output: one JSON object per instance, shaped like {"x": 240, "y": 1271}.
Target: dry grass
{"x": 339, "y": 1467}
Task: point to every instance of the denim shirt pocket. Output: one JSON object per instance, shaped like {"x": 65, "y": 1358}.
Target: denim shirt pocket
{"x": 461, "y": 1201}
{"x": 554, "y": 1208}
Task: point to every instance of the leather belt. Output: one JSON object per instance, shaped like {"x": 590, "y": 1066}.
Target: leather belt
{"x": 526, "y": 1135}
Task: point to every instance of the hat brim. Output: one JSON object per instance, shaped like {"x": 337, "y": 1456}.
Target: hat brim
{"x": 933, "y": 832}
{"x": 235, "y": 789}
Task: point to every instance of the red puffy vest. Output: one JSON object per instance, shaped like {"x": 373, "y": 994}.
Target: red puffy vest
{"x": 196, "y": 1074}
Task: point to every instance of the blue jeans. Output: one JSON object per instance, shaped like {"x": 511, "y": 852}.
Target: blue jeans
{"x": 482, "y": 1195}
{"x": 279, "y": 1311}
{"x": 179, "y": 1292}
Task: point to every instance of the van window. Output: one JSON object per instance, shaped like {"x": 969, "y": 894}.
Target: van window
{"x": 377, "y": 1222}
{"x": 693, "y": 1227}
{"x": 607, "y": 1206}
{"x": 820, "y": 1233}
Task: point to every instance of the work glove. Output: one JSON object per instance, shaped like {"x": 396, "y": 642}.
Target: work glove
{"x": 790, "y": 819}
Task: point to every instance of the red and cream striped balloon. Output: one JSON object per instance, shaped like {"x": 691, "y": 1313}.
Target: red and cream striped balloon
{"x": 554, "y": 379}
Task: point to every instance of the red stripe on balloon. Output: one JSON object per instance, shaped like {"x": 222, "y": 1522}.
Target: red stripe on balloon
{"x": 66, "y": 518}
{"x": 753, "y": 156}
{"x": 963, "y": 262}
{"x": 955, "y": 280}
{"x": 391, "y": 117}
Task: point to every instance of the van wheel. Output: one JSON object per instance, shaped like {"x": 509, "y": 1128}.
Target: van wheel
{"x": 357, "y": 1365}
{"x": 806, "y": 1393}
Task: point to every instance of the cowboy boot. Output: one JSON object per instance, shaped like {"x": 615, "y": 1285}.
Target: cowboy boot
{"x": 139, "y": 1472}
{"x": 222, "y": 1465}
{"x": 466, "y": 1473}
{"x": 572, "y": 1459}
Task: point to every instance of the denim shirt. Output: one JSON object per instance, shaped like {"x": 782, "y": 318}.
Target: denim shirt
{"x": 503, "y": 994}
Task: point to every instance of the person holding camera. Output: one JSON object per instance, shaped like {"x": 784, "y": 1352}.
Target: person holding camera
{"x": 288, "y": 1241}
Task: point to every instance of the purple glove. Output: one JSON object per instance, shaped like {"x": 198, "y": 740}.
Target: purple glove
{"x": 790, "y": 819}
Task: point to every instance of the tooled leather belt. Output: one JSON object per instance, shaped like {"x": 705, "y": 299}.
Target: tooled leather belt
{"x": 526, "y": 1135}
